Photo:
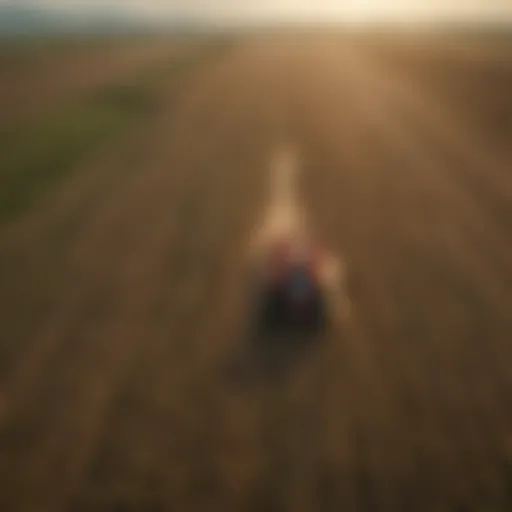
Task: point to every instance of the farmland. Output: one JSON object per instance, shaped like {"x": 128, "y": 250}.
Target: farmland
{"x": 129, "y": 186}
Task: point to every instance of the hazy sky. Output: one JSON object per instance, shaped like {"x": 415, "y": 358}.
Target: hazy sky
{"x": 303, "y": 9}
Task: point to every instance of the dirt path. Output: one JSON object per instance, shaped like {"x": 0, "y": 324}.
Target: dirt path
{"x": 120, "y": 398}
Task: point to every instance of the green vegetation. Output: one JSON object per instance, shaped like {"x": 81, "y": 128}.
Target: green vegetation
{"x": 37, "y": 156}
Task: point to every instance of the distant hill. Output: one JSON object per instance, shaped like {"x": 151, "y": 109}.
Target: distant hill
{"x": 21, "y": 20}
{"x": 18, "y": 19}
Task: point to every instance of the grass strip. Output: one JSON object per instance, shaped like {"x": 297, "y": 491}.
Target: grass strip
{"x": 38, "y": 155}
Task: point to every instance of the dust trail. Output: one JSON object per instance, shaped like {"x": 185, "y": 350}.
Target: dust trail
{"x": 283, "y": 215}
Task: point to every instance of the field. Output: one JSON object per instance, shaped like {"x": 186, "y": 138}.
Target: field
{"x": 130, "y": 180}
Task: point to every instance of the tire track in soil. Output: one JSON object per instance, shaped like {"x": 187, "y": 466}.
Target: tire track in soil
{"x": 423, "y": 172}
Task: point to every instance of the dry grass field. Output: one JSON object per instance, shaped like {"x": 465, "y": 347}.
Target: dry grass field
{"x": 123, "y": 286}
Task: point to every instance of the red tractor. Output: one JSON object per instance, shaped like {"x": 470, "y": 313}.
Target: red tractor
{"x": 292, "y": 294}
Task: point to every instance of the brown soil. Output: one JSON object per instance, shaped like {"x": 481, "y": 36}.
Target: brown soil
{"x": 125, "y": 309}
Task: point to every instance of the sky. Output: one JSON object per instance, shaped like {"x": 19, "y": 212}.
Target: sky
{"x": 301, "y": 10}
